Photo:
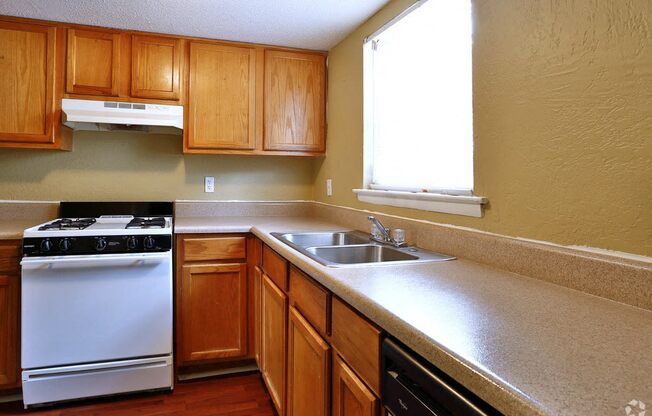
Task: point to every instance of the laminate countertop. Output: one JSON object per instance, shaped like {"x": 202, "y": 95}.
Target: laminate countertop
{"x": 526, "y": 346}
{"x": 13, "y": 229}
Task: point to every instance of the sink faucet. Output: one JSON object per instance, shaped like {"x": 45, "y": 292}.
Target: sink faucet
{"x": 380, "y": 227}
{"x": 386, "y": 237}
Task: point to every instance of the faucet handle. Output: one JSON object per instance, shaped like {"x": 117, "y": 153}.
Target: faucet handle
{"x": 398, "y": 235}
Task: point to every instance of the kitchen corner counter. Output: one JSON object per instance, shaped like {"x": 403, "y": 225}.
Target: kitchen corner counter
{"x": 526, "y": 346}
{"x": 16, "y": 216}
{"x": 13, "y": 229}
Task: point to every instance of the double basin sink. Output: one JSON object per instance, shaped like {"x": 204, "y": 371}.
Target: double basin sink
{"x": 348, "y": 248}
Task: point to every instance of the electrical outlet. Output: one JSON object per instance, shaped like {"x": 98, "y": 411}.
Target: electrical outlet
{"x": 209, "y": 184}
{"x": 329, "y": 187}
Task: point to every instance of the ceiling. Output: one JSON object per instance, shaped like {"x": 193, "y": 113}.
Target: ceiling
{"x": 311, "y": 24}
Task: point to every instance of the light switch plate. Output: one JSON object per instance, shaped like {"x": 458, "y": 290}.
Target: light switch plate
{"x": 209, "y": 184}
{"x": 329, "y": 187}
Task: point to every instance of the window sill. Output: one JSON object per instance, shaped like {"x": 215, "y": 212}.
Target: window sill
{"x": 470, "y": 206}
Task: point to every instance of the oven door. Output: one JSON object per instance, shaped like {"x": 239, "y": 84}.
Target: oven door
{"x": 94, "y": 308}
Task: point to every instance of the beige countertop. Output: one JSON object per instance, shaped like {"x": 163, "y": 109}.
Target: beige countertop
{"x": 13, "y": 229}
{"x": 16, "y": 216}
{"x": 526, "y": 346}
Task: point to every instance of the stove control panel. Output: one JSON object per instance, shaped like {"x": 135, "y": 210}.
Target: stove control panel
{"x": 64, "y": 246}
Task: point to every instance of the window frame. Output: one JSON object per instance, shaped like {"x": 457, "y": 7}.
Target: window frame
{"x": 452, "y": 201}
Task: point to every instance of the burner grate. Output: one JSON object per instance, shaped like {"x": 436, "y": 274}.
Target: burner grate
{"x": 68, "y": 224}
{"x": 139, "y": 222}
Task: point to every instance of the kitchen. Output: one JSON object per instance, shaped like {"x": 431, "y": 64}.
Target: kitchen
{"x": 219, "y": 208}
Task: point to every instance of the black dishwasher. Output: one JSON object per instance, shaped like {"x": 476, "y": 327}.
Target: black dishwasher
{"x": 413, "y": 387}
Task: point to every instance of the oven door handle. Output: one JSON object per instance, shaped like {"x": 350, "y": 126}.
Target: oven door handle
{"x": 94, "y": 260}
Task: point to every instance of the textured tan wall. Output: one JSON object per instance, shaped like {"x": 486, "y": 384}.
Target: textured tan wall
{"x": 128, "y": 166}
{"x": 562, "y": 118}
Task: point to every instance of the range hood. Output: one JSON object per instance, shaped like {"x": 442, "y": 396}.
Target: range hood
{"x": 120, "y": 116}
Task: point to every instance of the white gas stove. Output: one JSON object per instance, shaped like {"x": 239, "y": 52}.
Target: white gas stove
{"x": 96, "y": 303}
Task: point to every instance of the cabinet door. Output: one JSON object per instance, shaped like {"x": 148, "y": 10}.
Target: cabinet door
{"x": 350, "y": 395}
{"x": 93, "y": 62}
{"x": 213, "y": 312}
{"x": 274, "y": 342}
{"x": 155, "y": 67}
{"x": 258, "y": 287}
{"x": 308, "y": 369}
{"x": 294, "y": 101}
{"x": 221, "y": 97}
{"x": 27, "y": 64}
{"x": 9, "y": 321}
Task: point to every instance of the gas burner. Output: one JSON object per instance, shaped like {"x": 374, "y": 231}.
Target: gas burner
{"x": 68, "y": 224}
{"x": 139, "y": 222}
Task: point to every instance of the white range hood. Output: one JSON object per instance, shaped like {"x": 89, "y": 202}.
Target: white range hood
{"x": 120, "y": 116}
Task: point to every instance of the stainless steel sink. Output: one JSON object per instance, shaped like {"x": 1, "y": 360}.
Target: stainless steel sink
{"x": 360, "y": 254}
{"x": 338, "y": 238}
{"x": 349, "y": 248}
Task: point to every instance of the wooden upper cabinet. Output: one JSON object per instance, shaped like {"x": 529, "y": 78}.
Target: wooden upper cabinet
{"x": 212, "y": 306}
{"x": 93, "y": 62}
{"x": 221, "y": 97}
{"x": 156, "y": 67}
{"x": 27, "y": 83}
{"x": 295, "y": 90}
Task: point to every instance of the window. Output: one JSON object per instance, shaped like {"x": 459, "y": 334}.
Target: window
{"x": 418, "y": 102}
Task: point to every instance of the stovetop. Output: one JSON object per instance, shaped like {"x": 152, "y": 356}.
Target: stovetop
{"x": 107, "y": 234}
{"x": 99, "y": 228}
{"x": 103, "y": 225}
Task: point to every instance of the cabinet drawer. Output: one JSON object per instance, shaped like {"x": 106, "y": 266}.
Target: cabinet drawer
{"x": 311, "y": 299}
{"x": 215, "y": 248}
{"x": 276, "y": 267}
{"x": 10, "y": 252}
{"x": 358, "y": 342}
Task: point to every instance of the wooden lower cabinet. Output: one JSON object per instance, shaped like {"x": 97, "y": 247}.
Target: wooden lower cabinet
{"x": 274, "y": 341}
{"x": 357, "y": 341}
{"x": 9, "y": 322}
{"x": 9, "y": 314}
{"x": 308, "y": 369}
{"x": 212, "y": 307}
{"x": 240, "y": 300}
{"x": 258, "y": 309}
{"x": 351, "y": 397}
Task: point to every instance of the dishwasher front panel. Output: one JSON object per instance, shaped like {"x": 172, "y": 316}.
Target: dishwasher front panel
{"x": 413, "y": 387}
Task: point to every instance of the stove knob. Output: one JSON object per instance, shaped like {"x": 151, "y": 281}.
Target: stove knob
{"x": 64, "y": 244}
{"x": 46, "y": 245}
{"x": 149, "y": 242}
{"x": 100, "y": 244}
{"x": 132, "y": 243}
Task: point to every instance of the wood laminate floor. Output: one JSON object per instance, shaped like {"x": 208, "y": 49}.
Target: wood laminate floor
{"x": 237, "y": 395}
